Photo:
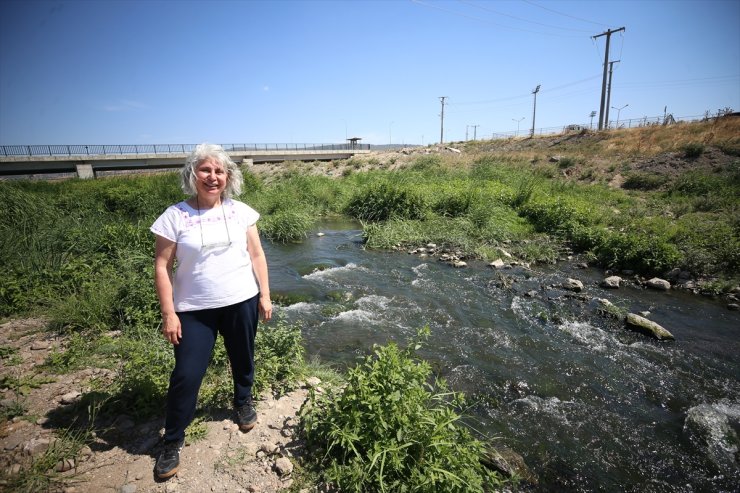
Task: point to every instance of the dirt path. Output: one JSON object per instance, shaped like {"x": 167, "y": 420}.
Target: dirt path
{"x": 121, "y": 457}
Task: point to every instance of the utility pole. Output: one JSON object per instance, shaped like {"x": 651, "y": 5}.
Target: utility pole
{"x": 592, "y": 115}
{"x": 534, "y": 107}
{"x": 475, "y": 131}
{"x": 609, "y": 93}
{"x": 442, "y": 121}
{"x": 466, "y": 132}
{"x": 608, "y": 35}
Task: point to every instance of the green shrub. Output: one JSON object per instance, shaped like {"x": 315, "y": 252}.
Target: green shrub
{"x": 486, "y": 168}
{"x": 566, "y": 162}
{"x": 383, "y": 201}
{"x": 278, "y": 357}
{"x": 453, "y": 203}
{"x": 286, "y": 226}
{"x": 644, "y": 181}
{"x": 697, "y": 183}
{"x": 427, "y": 163}
{"x": 643, "y": 252}
{"x": 389, "y": 429}
{"x": 693, "y": 150}
{"x": 144, "y": 375}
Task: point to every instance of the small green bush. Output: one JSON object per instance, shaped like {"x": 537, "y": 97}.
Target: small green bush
{"x": 566, "y": 162}
{"x": 383, "y": 201}
{"x": 278, "y": 358}
{"x": 431, "y": 162}
{"x": 644, "y": 181}
{"x": 643, "y": 252}
{"x": 389, "y": 429}
{"x": 693, "y": 150}
{"x": 286, "y": 226}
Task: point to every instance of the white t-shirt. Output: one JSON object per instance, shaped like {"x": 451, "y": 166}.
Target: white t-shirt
{"x": 214, "y": 268}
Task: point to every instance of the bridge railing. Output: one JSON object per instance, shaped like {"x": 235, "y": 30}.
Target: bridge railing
{"x": 135, "y": 149}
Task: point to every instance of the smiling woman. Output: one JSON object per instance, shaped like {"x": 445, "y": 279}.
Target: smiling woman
{"x": 220, "y": 286}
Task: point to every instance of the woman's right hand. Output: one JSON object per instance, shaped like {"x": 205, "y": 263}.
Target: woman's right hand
{"x": 171, "y": 328}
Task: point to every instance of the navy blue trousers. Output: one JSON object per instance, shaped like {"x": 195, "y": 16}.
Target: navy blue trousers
{"x": 237, "y": 324}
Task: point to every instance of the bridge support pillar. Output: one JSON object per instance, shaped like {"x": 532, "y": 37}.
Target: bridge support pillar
{"x": 248, "y": 162}
{"x": 85, "y": 171}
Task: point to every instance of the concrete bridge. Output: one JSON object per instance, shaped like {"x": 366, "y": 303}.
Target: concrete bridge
{"x": 87, "y": 160}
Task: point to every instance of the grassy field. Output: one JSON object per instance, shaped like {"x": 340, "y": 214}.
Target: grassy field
{"x": 651, "y": 200}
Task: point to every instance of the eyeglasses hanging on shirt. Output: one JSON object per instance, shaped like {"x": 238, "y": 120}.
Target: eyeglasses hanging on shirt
{"x": 212, "y": 246}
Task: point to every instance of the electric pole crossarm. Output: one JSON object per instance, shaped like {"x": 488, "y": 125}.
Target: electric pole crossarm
{"x": 608, "y": 35}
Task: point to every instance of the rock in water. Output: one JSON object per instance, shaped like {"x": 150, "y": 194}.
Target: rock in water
{"x": 648, "y": 327}
{"x": 659, "y": 284}
{"x": 611, "y": 282}
{"x": 710, "y": 427}
{"x": 509, "y": 463}
{"x": 573, "y": 285}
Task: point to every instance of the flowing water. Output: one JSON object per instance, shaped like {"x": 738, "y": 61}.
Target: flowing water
{"x": 590, "y": 405}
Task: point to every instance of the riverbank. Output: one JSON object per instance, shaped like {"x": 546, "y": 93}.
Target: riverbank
{"x": 535, "y": 203}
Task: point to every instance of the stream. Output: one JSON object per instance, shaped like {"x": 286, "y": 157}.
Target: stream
{"x": 588, "y": 404}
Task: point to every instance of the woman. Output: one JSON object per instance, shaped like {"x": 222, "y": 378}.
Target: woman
{"x": 220, "y": 285}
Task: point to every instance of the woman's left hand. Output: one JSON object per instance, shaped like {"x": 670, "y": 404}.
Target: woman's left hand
{"x": 265, "y": 306}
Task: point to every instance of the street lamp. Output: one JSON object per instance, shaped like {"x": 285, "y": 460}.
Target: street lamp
{"x": 517, "y": 125}
{"x": 619, "y": 110}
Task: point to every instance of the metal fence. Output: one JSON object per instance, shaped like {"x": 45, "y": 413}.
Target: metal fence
{"x": 117, "y": 150}
{"x": 645, "y": 121}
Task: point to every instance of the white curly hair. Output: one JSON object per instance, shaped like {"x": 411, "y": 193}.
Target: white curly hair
{"x": 205, "y": 151}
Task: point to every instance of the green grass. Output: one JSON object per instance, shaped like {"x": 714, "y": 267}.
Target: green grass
{"x": 80, "y": 252}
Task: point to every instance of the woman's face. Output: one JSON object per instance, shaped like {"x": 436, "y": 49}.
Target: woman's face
{"x": 210, "y": 178}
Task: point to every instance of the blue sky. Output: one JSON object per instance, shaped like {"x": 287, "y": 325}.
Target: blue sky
{"x": 142, "y": 72}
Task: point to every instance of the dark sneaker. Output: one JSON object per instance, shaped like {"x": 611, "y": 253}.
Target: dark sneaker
{"x": 168, "y": 461}
{"x": 246, "y": 416}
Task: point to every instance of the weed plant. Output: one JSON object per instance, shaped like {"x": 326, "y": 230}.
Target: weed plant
{"x": 391, "y": 429}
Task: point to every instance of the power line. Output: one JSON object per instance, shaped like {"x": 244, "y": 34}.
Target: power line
{"x": 461, "y": 14}
{"x": 565, "y": 15}
{"x": 681, "y": 82}
{"x": 487, "y": 9}
{"x": 523, "y": 96}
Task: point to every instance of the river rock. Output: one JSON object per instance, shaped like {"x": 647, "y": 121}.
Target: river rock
{"x": 573, "y": 285}
{"x": 313, "y": 382}
{"x": 36, "y": 446}
{"x": 658, "y": 283}
{"x": 459, "y": 263}
{"x": 607, "y": 308}
{"x": 642, "y": 324}
{"x": 497, "y": 264}
{"x": 65, "y": 465}
{"x": 70, "y": 397}
{"x": 611, "y": 282}
{"x": 509, "y": 463}
{"x": 733, "y": 306}
{"x": 283, "y": 466}
{"x": 711, "y": 427}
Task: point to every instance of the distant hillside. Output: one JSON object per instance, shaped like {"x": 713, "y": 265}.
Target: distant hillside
{"x": 614, "y": 156}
